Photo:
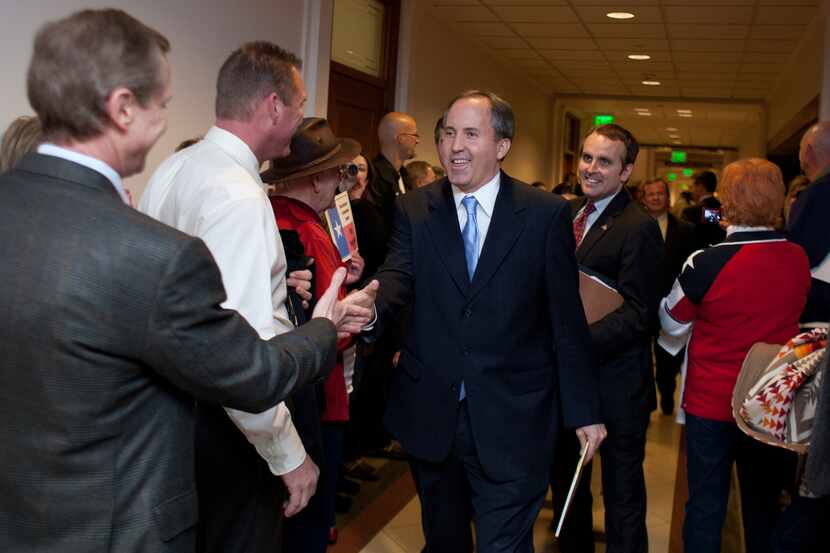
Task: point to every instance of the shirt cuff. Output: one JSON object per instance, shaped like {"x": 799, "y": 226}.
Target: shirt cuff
{"x": 273, "y": 435}
{"x": 369, "y": 327}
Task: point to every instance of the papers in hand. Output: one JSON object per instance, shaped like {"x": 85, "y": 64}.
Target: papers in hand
{"x": 599, "y": 298}
{"x": 574, "y": 483}
{"x": 341, "y": 226}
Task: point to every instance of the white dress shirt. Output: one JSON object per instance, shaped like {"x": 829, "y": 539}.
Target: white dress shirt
{"x": 663, "y": 223}
{"x": 486, "y": 198}
{"x": 599, "y": 206}
{"x": 89, "y": 162}
{"x": 213, "y": 190}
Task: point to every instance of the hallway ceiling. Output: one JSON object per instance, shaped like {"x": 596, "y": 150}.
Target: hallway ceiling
{"x": 714, "y": 49}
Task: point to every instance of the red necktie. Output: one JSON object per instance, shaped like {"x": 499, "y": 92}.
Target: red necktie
{"x": 581, "y": 220}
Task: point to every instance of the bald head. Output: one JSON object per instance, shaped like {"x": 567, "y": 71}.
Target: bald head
{"x": 398, "y": 136}
{"x": 814, "y": 153}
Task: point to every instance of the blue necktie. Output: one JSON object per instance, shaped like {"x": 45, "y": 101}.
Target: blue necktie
{"x": 470, "y": 236}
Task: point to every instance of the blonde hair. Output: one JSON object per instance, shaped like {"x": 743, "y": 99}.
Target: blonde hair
{"x": 752, "y": 193}
{"x": 21, "y": 137}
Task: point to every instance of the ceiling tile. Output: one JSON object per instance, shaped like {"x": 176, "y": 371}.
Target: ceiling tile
{"x": 750, "y": 94}
{"x": 707, "y": 57}
{"x": 790, "y": 15}
{"x": 596, "y": 14}
{"x": 455, "y": 2}
{"x": 632, "y": 30}
{"x": 480, "y": 28}
{"x": 629, "y": 66}
{"x": 464, "y": 13}
{"x": 591, "y": 67}
{"x": 500, "y": 43}
{"x": 548, "y": 43}
{"x": 647, "y": 76}
{"x": 707, "y": 67}
{"x": 531, "y": 64}
{"x": 700, "y": 32}
{"x": 524, "y": 2}
{"x": 575, "y": 55}
{"x": 691, "y": 78}
{"x": 761, "y": 68}
{"x": 605, "y": 3}
{"x": 774, "y": 46}
{"x": 537, "y": 14}
{"x": 736, "y": 15}
{"x": 708, "y": 3}
{"x": 632, "y": 45}
{"x": 766, "y": 57}
{"x": 777, "y": 32}
{"x": 520, "y": 54}
{"x": 789, "y": 2}
{"x": 556, "y": 30}
{"x": 712, "y": 45}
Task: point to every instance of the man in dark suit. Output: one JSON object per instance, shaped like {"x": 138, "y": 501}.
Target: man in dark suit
{"x": 705, "y": 214}
{"x": 619, "y": 241}
{"x": 497, "y": 338}
{"x": 807, "y": 225}
{"x": 679, "y": 240}
{"x": 398, "y": 136}
{"x": 110, "y": 322}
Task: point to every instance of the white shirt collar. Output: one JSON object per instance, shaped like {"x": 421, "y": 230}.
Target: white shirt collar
{"x": 49, "y": 149}
{"x": 237, "y": 149}
{"x": 486, "y": 195}
{"x": 731, "y": 229}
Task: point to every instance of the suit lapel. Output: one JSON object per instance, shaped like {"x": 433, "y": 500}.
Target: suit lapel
{"x": 506, "y": 225}
{"x": 446, "y": 236}
{"x": 603, "y": 223}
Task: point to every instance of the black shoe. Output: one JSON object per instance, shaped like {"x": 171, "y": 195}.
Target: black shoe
{"x": 342, "y": 504}
{"x": 346, "y": 486}
{"x": 667, "y": 405}
{"x": 361, "y": 470}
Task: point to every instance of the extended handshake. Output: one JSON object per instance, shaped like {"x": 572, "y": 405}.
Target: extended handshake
{"x": 354, "y": 313}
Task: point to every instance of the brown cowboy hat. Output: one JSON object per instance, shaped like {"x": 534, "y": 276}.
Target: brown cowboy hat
{"x": 314, "y": 148}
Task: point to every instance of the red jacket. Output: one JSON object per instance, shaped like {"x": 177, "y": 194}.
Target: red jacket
{"x": 294, "y": 215}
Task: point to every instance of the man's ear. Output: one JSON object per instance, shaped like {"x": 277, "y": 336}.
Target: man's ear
{"x": 275, "y": 106}
{"x": 502, "y": 148}
{"x": 626, "y": 172}
{"x": 121, "y": 106}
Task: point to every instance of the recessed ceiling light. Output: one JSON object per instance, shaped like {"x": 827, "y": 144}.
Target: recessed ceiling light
{"x": 644, "y": 113}
{"x": 620, "y": 15}
{"x": 674, "y": 136}
{"x": 671, "y": 129}
{"x": 676, "y": 142}
{"x": 642, "y": 109}
{"x": 639, "y": 57}
{"x": 684, "y": 114}
{"x": 684, "y": 111}
{"x": 651, "y": 83}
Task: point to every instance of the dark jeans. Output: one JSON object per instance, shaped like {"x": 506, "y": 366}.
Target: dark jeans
{"x": 763, "y": 471}
{"x": 457, "y": 490}
{"x": 804, "y": 527}
{"x": 667, "y": 367}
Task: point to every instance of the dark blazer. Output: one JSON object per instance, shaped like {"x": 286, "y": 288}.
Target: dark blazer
{"x": 706, "y": 233}
{"x": 807, "y": 227}
{"x": 110, "y": 326}
{"x": 624, "y": 244}
{"x": 516, "y": 335}
{"x": 383, "y": 188}
{"x": 680, "y": 243}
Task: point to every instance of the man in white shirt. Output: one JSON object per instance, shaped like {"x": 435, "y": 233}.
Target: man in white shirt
{"x": 213, "y": 190}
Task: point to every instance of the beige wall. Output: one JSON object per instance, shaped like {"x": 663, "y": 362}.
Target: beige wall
{"x": 440, "y": 65}
{"x": 802, "y": 80}
{"x": 202, "y": 33}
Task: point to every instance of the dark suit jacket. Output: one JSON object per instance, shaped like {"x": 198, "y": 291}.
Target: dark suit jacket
{"x": 706, "y": 233}
{"x": 807, "y": 227}
{"x": 680, "y": 243}
{"x": 110, "y": 326}
{"x": 624, "y": 244}
{"x": 383, "y": 188}
{"x": 516, "y": 335}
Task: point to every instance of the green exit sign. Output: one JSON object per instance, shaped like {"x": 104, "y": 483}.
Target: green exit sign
{"x": 672, "y": 177}
{"x": 688, "y": 172}
{"x": 603, "y": 119}
{"x": 678, "y": 156}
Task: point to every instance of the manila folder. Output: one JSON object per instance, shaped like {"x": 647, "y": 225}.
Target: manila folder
{"x": 598, "y": 298}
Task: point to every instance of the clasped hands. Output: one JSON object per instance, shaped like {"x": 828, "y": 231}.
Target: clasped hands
{"x": 351, "y": 314}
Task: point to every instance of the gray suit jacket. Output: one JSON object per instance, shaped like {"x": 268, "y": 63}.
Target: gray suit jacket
{"x": 110, "y": 326}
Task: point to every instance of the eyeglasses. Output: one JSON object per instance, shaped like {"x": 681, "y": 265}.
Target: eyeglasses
{"x": 348, "y": 171}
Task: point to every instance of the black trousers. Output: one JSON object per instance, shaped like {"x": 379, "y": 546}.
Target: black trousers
{"x": 665, "y": 374}
{"x": 623, "y": 488}
{"x": 457, "y": 491}
{"x": 240, "y": 500}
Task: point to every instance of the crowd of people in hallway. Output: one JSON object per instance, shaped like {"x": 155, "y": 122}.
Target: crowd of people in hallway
{"x": 206, "y": 370}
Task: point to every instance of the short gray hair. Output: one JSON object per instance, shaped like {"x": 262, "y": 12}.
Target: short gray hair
{"x": 501, "y": 112}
